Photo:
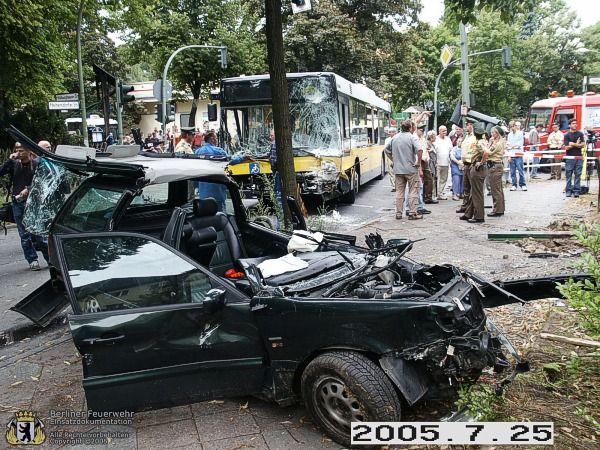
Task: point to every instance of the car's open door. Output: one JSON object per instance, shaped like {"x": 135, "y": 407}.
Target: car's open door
{"x": 153, "y": 328}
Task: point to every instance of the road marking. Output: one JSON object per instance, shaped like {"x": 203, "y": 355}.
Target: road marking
{"x": 362, "y": 206}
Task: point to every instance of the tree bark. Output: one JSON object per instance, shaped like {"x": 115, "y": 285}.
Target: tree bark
{"x": 281, "y": 112}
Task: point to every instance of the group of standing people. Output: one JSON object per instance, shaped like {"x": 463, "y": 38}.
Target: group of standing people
{"x": 469, "y": 159}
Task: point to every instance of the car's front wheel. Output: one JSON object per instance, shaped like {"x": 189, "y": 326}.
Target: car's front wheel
{"x": 344, "y": 387}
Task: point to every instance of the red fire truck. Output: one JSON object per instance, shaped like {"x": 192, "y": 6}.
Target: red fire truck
{"x": 561, "y": 110}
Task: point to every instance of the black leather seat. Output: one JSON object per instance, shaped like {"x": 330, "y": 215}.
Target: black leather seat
{"x": 228, "y": 246}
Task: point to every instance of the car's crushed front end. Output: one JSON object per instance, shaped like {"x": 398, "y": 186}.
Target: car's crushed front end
{"x": 426, "y": 325}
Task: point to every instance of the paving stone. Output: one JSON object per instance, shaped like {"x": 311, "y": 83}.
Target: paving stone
{"x": 218, "y": 406}
{"x": 248, "y": 442}
{"x": 18, "y": 387}
{"x": 166, "y": 415}
{"x": 212, "y": 427}
{"x": 270, "y": 416}
{"x": 176, "y": 434}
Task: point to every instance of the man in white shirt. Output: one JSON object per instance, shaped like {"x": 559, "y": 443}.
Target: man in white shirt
{"x": 443, "y": 147}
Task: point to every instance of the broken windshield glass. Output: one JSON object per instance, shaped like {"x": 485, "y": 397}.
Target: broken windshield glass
{"x": 51, "y": 187}
{"x": 313, "y": 114}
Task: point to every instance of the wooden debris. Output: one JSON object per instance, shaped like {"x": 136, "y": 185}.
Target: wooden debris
{"x": 568, "y": 340}
{"x": 517, "y": 235}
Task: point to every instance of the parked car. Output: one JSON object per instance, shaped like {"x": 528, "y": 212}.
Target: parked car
{"x": 176, "y": 302}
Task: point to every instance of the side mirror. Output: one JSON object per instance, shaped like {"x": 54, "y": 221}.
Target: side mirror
{"x": 214, "y": 300}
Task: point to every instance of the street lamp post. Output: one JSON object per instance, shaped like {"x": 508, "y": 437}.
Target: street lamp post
{"x": 164, "y": 78}
{"x": 80, "y": 73}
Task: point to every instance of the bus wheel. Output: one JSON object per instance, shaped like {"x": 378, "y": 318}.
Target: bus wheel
{"x": 350, "y": 196}
{"x": 381, "y": 175}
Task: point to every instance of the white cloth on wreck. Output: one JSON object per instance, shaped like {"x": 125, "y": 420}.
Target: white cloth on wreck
{"x": 287, "y": 263}
{"x": 304, "y": 241}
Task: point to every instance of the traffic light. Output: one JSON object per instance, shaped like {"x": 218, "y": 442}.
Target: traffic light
{"x": 506, "y": 56}
{"x": 159, "y": 113}
{"x": 438, "y": 108}
{"x": 212, "y": 112}
{"x": 126, "y": 97}
{"x": 223, "y": 57}
{"x": 170, "y": 115}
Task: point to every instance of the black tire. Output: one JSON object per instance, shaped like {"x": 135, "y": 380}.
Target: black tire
{"x": 381, "y": 176}
{"x": 344, "y": 387}
{"x": 350, "y": 196}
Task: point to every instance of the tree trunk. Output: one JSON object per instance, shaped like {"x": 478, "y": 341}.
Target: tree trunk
{"x": 281, "y": 112}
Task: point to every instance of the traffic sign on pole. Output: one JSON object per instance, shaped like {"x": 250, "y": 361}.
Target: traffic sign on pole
{"x": 63, "y": 105}
{"x": 446, "y": 56}
{"x": 67, "y": 97}
{"x": 157, "y": 89}
{"x": 594, "y": 80}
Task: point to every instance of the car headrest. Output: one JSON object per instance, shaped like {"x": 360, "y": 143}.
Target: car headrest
{"x": 205, "y": 207}
{"x": 202, "y": 236}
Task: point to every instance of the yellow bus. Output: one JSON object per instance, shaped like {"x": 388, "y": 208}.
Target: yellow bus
{"x": 337, "y": 131}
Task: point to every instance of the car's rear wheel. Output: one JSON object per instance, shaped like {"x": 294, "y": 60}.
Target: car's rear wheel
{"x": 344, "y": 387}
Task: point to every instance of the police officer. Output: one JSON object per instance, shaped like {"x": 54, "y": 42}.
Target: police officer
{"x": 477, "y": 172}
{"x": 185, "y": 144}
{"x": 497, "y": 146}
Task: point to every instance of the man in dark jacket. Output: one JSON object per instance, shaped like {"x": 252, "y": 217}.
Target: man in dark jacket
{"x": 21, "y": 168}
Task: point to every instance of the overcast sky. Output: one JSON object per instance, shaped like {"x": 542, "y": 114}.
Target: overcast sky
{"x": 587, "y": 10}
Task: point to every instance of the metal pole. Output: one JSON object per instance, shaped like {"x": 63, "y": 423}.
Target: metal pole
{"x": 435, "y": 95}
{"x": 164, "y": 79}
{"x": 583, "y": 103}
{"x": 80, "y": 73}
{"x": 119, "y": 114}
{"x": 464, "y": 60}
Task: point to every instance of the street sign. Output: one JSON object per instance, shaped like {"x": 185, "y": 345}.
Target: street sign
{"x": 67, "y": 97}
{"x": 157, "y": 89}
{"x": 446, "y": 56}
{"x": 63, "y": 105}
{"x": 594, "y": 80}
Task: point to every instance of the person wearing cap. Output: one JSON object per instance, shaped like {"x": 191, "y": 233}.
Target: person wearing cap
{"x": 555, "y": 142}
{"x": 185, "y": 144}
{"x": 466, "y": 150}
{"x": 478, "y": 171}
{"x": 21, "y": 167}
{"x": 497, "y": 147}
{"x": 534, "y": 142}
{"x": 515, "y": 143}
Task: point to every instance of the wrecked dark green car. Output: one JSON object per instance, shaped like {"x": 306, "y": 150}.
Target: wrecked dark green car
{"x": 175, "y": 301}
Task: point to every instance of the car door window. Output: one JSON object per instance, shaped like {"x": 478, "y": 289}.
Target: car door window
{"x": 115, "y": 272}
{"x": 90, "y": 209}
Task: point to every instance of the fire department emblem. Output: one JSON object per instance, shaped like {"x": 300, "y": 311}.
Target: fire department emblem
{"x": 25, "y": 428}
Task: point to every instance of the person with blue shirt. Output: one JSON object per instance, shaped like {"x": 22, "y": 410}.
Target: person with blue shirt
{"x": 514, "y": 143}
{"x": 214, "y": 190}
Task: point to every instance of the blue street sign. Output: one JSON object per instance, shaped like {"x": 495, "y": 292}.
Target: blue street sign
{"x": 254, "y": 168}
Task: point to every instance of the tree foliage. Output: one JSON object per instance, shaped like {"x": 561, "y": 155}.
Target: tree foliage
{"x": 159, "y": 27}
